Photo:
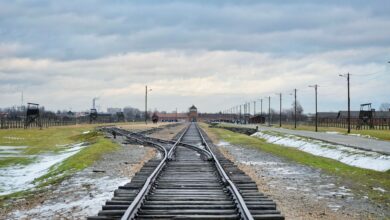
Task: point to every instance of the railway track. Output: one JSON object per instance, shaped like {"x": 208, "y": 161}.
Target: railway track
{"x": 191, "y": 181}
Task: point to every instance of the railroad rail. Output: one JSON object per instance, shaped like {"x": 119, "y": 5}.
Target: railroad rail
{"x": 190, "y": 181}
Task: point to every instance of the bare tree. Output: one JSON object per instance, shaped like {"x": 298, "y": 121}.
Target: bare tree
{"x": 384, "y": 106}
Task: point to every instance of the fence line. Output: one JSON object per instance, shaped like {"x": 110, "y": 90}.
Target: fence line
{"x": 50, "y": 122}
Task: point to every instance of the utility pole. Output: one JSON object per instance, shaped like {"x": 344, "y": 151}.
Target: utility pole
{"x": 315, "y": 88}
{"x": 349, "y": 102}
{"x": 254, "y": 108}
{"x": 269, "y": 110}
{"x": 261, "y": 106}
{"x": 245, "y": 112}
{"x": 295, "y": 108}
{"x": 240, "y": 113}
{"x": 146, "y": 104}
{"x": 280, "y": 110}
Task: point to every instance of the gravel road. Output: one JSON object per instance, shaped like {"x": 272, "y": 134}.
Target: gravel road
{"x": 300, "y": 191}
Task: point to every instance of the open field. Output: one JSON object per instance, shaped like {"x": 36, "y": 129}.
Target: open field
{"x": 362, "y": 181}
{"x": 380, "y": 134}
{"x": 69, "y": 148}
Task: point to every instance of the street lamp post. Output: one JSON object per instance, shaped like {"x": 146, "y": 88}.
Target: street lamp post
{"x": 349, "y": 102}
{"x": 269, "y": 110}
{"x": 315, "y": 88}
{"x": 261, "y": 106}
{"x": 280, "y": 109}
{"x": 295, "y": 108}
{"x": 146, "y": 103}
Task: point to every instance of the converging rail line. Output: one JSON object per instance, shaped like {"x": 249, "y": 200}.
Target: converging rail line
{"x": 191, "y": 181}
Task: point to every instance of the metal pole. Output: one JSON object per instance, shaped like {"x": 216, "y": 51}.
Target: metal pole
{"x": 349, "y": 107}
{"x": 261, "y": 106}
{"x": 295, "y": 108}
{"x": 146, "y": 104}
{"x": 240, "y": 114}
{"x": 249, "y": 109}
{"x": 316, "y": 109}
{"x": 269, "y": 110}
{"x": 280, "y": 111}
{"x": 254, "y": 108}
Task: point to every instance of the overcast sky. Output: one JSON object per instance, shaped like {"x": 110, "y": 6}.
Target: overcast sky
{"x": 213, "y": 54}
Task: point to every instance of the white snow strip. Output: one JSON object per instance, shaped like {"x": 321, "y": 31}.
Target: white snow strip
{"x": 81, "y": 197}
{"x": 13, "y": 138}
{"x": 332, "y": 132}
{"x": 362, "y": 135}
{"x": 379, "y": 189}
{"x": 347, "y": 155}
{"x": 11, "y": 151}
{"x": 86, "y": 132}
{"x": 20, "y": 177}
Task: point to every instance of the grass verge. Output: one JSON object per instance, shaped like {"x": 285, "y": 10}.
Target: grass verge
{"x": 361, "y": 181}
{"x": 98, "y": 145}
{"x": 380, "y": 134}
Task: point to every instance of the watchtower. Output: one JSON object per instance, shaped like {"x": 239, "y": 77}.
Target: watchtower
{"x": 366, "y": 115}
{"x": 120, "y": 117}
{"x": 193, "y": 114}
{"x": 32, "y": 115}
{"x": 93, "y": 115}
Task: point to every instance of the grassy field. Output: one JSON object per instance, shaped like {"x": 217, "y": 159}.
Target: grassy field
{"x": 361, "y": 181}
{"x": 380, "y": 134}
{"x": 52, "y": 140}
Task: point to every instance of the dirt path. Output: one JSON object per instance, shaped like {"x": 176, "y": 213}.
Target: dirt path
{"x": 301, "y": 192}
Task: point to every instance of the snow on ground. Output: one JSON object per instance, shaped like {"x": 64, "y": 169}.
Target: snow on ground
{"x": 332, "y": 132}
{"x": 75, "y": 198}
{"x": 358, "y": 135}
{"x": 11, "y": 151}
{"x": 363, "y": 135}
{"x": 354, "y": 157}
{"x": 20, "y": 177}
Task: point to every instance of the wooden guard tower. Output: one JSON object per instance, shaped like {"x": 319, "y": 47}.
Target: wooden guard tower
{"x": 93, "y": 115}
{"x": 366, "y": 116}
{"x": 32, "y": 115}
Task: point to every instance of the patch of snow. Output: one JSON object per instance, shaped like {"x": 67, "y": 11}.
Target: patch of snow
{"x": 75, "y": 198}
{"x": 332, "y": 132}
{"x": 334, "y": 207}
{"x": 354, "y": 157}
{"x": 223, "y": 143}
{"x": 379, "y": 189}
{"x": 363, "y": 135}
{"x": 13, "y": 138}
{"x": 20, "y": 177}
{"x": 86, "y": 132}
{"x": 7, "y": 151}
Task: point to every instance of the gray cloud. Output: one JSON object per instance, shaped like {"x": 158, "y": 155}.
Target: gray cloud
{"x": 214, "y": 53}
{"x": 91, "y": 29}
